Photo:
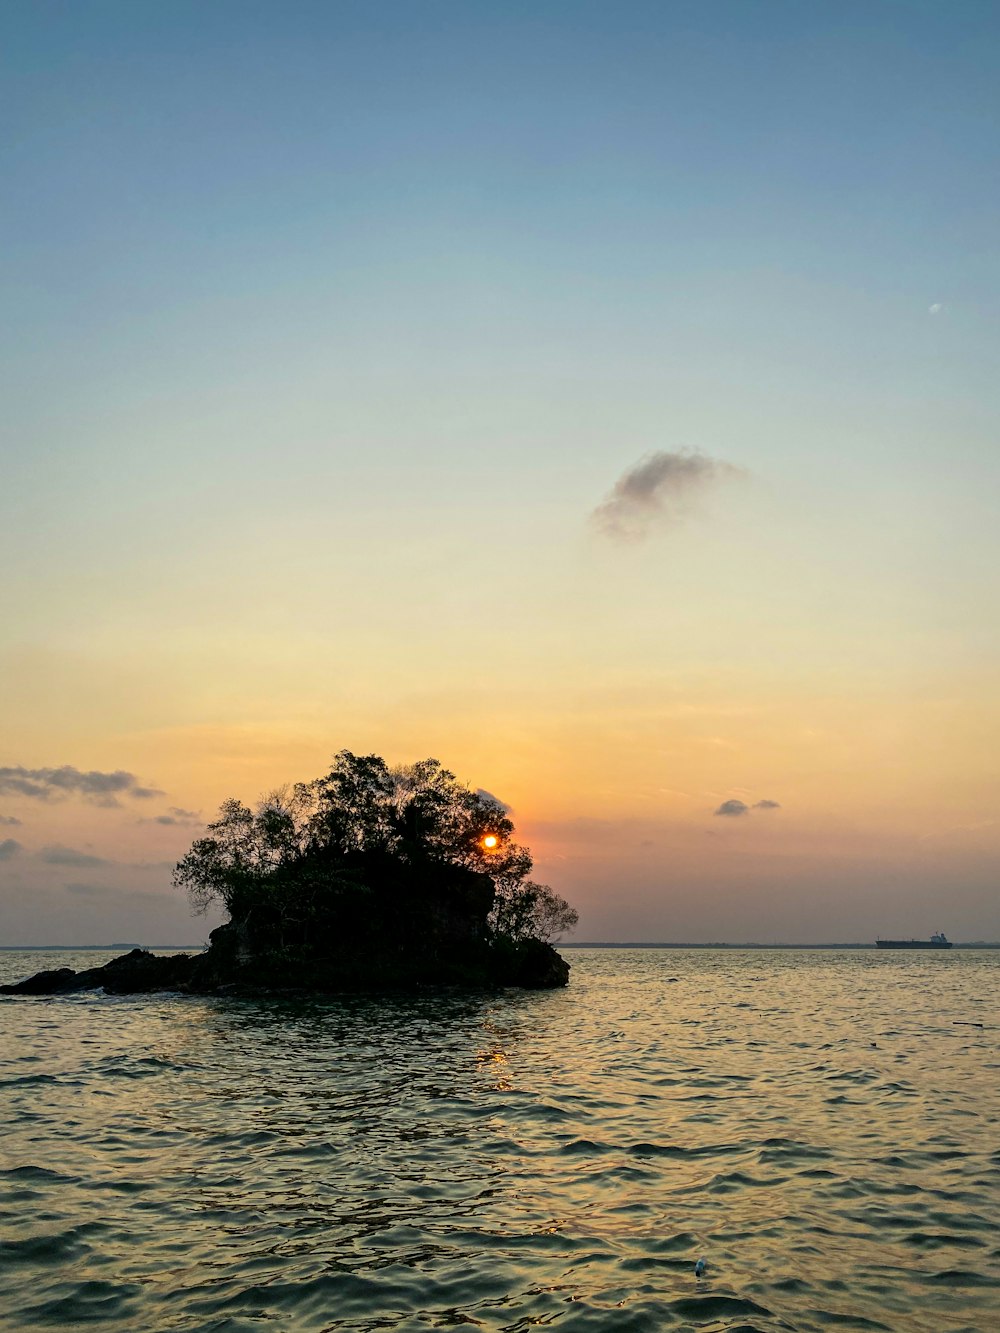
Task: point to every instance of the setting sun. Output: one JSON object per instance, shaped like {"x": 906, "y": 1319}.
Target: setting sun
{"x": 489, "y": 842}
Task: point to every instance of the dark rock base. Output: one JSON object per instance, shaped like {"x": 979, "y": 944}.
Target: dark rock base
{"x": 226, "y": 969}
{"x": 133, "y": 973}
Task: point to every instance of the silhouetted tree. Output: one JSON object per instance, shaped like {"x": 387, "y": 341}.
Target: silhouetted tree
{"x": 319, "y": 849}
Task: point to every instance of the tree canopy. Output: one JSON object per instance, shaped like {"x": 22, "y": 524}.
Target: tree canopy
{"x": 324, "y": 850}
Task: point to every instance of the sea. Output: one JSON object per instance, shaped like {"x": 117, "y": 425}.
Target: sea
{"x": 821, "y": 1128}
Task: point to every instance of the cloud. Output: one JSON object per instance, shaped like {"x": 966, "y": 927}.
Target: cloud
{"x": 41, "y": 784}
{"x": 87, "y": 890}
{"x": 57, "y": 855}
{"x": 935, "y": 309}
{"x": 176, "y": 816}
{"x": 10, "y": 820}
{"x": 8, "y": 848}
{"x": 656, "y": 492}
{"x": 733, "y": 807}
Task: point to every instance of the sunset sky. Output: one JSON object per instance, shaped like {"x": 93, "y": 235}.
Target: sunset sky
{"x": 600, "y": 398}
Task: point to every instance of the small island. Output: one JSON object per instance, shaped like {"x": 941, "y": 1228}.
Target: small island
{"x": 370, "y": 878}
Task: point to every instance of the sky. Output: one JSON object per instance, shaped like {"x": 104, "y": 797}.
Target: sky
{"x": 601, "y": 399}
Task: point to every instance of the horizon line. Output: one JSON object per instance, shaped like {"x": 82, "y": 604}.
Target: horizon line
{"x": 747, "y": 944}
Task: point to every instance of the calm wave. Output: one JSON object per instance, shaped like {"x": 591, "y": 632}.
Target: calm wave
{"x": 823, "y": 1128}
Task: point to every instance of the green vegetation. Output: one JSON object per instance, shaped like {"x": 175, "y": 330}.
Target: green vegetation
{"x": 376, "y": 875}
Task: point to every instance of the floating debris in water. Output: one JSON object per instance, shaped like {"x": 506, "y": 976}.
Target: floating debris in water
{"x": 699, "y": 1268}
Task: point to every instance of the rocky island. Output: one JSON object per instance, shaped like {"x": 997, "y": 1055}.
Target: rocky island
{"x": 370, "y": 878}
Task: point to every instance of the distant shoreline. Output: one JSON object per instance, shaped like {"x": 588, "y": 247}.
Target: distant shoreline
{"x": 99, "y": 948}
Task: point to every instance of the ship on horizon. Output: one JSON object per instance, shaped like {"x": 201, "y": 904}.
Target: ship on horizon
{"x": 938, "y": 941}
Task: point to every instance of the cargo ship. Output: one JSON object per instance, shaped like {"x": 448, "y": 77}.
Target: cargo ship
{"x": 937, "y": 941}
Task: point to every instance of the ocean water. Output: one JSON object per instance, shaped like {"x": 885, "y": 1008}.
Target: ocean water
{"x": 822, "y": 1128}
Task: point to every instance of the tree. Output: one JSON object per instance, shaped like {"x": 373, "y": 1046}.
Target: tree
{"x": 314, "y": 851}
{"x": 533, "y": 911}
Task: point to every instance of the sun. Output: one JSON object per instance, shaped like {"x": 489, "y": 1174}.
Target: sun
{"x": 490, "y": 841}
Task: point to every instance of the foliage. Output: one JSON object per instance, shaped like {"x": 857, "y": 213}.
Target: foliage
{"x": 532, "y": 911}
{"x": 323, "y": 848}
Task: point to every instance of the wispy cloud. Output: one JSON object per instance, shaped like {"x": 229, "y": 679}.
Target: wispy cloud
{"x": 766, "y": 805}
{"x": 183, "y": 818}
{"x": 952, "y": 829}
{"x": 657, "y": 492}
{"x": 8, "y": 848}
{"x": 10, "y": 821}
{"x": 57, "y": 855}
{"x": 42, "y": 784}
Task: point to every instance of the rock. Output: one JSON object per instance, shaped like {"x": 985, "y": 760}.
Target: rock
{"x": 55, "y": 981}
{"x": 229, "y": 967}
{"x": 376, "y": 923}
{"x": 139, "y": 972}
{"x": 133, "y": 973}
{"x": 529, "y": 963}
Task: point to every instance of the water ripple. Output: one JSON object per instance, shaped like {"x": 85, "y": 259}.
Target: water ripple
{"x": 821, "y": 1128}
